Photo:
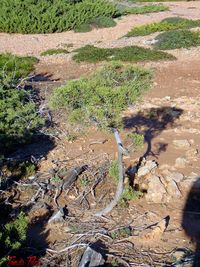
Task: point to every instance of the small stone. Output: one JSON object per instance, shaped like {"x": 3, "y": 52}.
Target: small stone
{"x": 147, "y": 168}
{"x": 150, "y": 42}
{"x": 181, "y": 143}
{"x": 178, "y": 255}
{"x": 156, "y": 190}
{"x": 167, "y": 98}
{"x": 180, "y": 162}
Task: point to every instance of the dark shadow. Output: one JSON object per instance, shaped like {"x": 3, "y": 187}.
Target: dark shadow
{"x": 191, "y": 219}
{"x": 150, "y": 123}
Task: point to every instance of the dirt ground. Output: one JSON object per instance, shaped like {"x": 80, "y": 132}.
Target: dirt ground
{"x": 176, "y": 86}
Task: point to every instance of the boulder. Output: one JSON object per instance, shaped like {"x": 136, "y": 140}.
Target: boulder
{"x": 156, "y": 190}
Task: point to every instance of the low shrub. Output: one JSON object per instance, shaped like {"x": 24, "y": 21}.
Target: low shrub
{"x": 18, "y": 113}
{"x": 12, "y": 236}
{"x": 47, "y": 16}
{"x": 177, "y": 39}
{"x": 101, "y": 98}
{"x": 91, "y": 53}
{"x": 167, "y": 24}
{"x": 145, "y": 9}
{"x": 54, "y": 51}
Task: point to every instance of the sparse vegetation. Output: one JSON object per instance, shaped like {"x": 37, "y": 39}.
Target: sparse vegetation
{"x": 136, "y": 139}
{"x": 54, "y": 51}
{"x": 114, "y": 170}
{"x": 145, "y": 9}
{"x": 44, "y": 16}
{"x": 93, "y": 99}
{"x": 177, "y": 39}
{"x": 167, "y": 24}
{"x": 130, "y": 194}
{"x": 129, "y": 53}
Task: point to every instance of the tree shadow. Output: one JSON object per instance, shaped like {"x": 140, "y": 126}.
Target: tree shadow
{"x": 191, "y": 219}
{"x": 150, "y": 123}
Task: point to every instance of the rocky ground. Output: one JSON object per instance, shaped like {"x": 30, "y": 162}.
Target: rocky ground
{"x": 165, "y": 221}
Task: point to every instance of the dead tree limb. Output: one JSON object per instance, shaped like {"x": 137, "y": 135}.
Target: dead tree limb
{"x": 120, "y": 186}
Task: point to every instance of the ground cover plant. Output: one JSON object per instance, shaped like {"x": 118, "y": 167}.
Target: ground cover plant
{"x": 177, "y": 39}
{"x": 54, "y": 51}
{"x": 91, "y": 53}
{"x": 145, "y": 9}
{"x": 18, "y": 112}
{"x": 167, "y": 24}
{"x": 101, "y": 98}
{"x": 44, "y": 16}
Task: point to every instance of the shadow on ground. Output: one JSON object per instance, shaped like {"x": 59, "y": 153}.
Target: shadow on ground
{"x": 150, "y": 123}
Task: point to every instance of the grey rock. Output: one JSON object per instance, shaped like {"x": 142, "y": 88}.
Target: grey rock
{"x": 156, "y": 190}
{"x": 147, "y": 168}
{"x": 91, "y": 258}
{"x": 182, "y": 143}
{"x": 173, "y": 176}
{"x": 150, "y": 42}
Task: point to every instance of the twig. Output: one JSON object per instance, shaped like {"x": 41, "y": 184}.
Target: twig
{"x": 67, "y": 248}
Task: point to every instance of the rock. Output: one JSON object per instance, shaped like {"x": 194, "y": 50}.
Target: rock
{"x": 156, "y": 190}
{"x": 146, "y": 168}
{"x": 173, "y": 176}
{"x": 57, "y": 217}
{"x": 180, "y": 162}
{"x": 150, "y": 42}
{"x": 181, "y": 143}
{"x": 192, "y": 153}
{"x": 173, "y": 190}
{"x": 91, "y": 258}
{"x": 178, "y": 255}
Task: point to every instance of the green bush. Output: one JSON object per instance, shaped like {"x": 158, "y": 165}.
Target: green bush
{"x": 16, "y": 66}
{"x": 177, "y": 39}
{"x": 103, "y": 22}
{"x": 101, "y": 98}
{"x": 167, "y": 24}
{"x": 91, "y": 53}
{"x": 145, "y": 9}
{"x": 46, "y": 16}
{"x": 12, "y": 236}
{"x": 18, "y": 113}
{"x": 54, "y": 51}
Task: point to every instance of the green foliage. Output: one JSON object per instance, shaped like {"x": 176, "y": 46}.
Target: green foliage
{"x": 56, "y": 179}
{"x": 177, "y": 39}
{"x": 13, "y": 234}
{"x": 54, "y": 51}
{"x": 101, "y": 98}
{"x": 47, "y": 16}
{"x": 84, "y": 181}
{"x": 85, "y": 27}
{"x": 91, "y": 53}
{"x": 114, "y": 170}
{"x": 130, "y": 194}
{"x": 16, "y": 66}
{"x": 168, "y": 24}
{"x": 137, "y": 139}
{"x": 27, "y": 168}
{"x": 134, "y": 1}
{"x": 103, "y": 22}
{"x": 121, "y": 233}
{"x": 18, "y": 113}
{"x": 145, "y": 9}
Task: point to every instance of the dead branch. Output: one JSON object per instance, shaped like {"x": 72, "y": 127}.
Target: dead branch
{"x": 120, "y": 187}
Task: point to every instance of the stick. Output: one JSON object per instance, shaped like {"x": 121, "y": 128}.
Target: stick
{"x": 120, "y": 186}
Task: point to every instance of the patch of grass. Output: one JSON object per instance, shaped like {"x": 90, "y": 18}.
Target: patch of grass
{"x": 177, "y": 39}
{"x": 145, "y": 9}
{"x": 103, "y": 22}
{"x": 85, "y": 27}
{"x": 130, "y": 194}
{"x": 168, "y": 24}
{"x": 121, "y": 233}
{"x": 84, "y": 181}
{"x": 135, "y": 1}
{"x": 91, "y": 53}
{"x": 54, "y": 51}
{"x": 92, "y": 100}
{"x": 17, "y": 66}
{"x": 45, "y": 16}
